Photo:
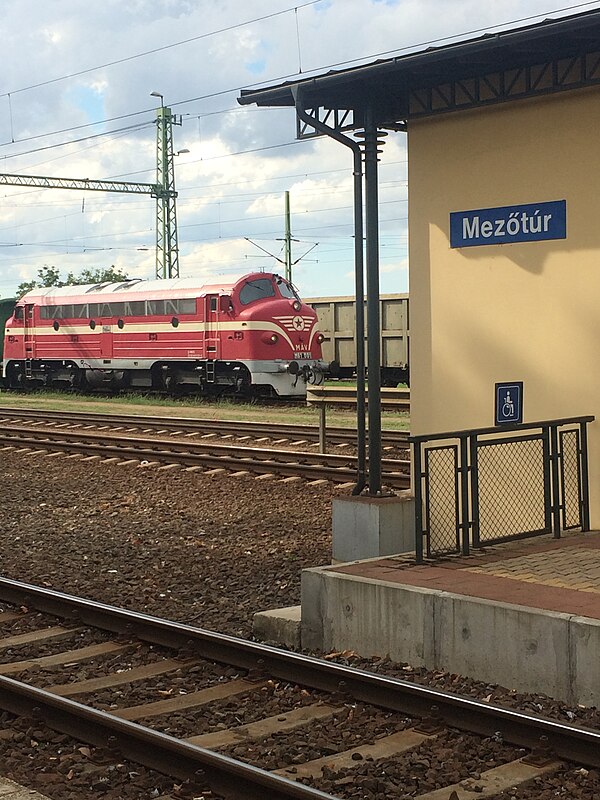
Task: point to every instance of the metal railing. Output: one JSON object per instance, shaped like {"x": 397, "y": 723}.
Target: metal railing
{"x": 391, "y": 399}
{"x": 490, "y": 485}
{"x": 323, "y": 396}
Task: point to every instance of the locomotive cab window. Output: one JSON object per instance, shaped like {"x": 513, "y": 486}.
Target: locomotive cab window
{"x": 287, "y": 290}
{"x": 256, "y": 290}
{"x": 19, "y": 315}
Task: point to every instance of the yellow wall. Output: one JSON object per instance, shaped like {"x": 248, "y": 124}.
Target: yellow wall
{"x": 518, "y": 312}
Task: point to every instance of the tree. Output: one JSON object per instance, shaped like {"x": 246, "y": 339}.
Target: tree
{"x": 50, "y": 276}
{"x": 47, "y": 276}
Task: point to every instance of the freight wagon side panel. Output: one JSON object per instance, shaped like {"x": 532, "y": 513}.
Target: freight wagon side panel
{"x": 394, "y": 331}
{"x": 337, "y": 322}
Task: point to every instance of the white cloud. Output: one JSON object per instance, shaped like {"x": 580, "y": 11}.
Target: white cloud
{"x": 225, "y": 192}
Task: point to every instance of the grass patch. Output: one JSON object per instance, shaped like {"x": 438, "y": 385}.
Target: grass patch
{"x": 194, "y": 408}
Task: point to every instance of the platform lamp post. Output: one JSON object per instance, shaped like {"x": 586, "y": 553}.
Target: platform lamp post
{"x": 167, "y": 249}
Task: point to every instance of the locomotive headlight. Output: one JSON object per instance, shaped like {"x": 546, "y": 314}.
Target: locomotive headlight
{"x": 320, "y": 338}
{"x": 274, "y": 338}
{"x": 296, "y": 305}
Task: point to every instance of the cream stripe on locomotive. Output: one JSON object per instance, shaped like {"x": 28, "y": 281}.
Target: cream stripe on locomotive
{"x": 157, "y": 327}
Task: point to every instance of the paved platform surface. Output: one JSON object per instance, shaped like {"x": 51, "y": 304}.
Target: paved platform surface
{"x": 552, "y": 574}
{"x": 9, "y": 790}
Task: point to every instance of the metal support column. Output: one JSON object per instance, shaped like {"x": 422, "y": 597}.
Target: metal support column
{"x": 371, "y": 141}
{"x": 358, "y": 282}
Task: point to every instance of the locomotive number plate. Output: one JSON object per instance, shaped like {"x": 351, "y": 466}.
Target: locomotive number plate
{"x": 302, "y": 355}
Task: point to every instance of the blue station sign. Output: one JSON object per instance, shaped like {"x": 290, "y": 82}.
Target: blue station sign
{"x": 533, "y": 222}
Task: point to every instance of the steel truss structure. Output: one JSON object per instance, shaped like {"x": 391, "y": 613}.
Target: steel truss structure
{"x": 511, "y": 84}
{"x": 167, "y": 247}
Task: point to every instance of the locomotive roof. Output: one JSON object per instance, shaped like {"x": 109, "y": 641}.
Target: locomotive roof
{"x": 150, "y": 290}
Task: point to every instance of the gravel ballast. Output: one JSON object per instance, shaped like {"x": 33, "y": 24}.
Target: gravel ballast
{"x": 207, "y": 549}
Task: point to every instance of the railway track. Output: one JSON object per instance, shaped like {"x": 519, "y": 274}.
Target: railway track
{"x": 198, "y": 455}
{"x": 274, "y": 432}
{"x": 246, "y": 720}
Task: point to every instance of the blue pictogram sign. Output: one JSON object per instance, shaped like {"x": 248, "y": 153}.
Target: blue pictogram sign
{"x": 509, "y": 403}
{"x": 532, "y": 222}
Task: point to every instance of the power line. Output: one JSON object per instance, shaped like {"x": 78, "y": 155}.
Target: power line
{"x": 128, "y": 129}
{"x": 160, "y": 49}
{"x": 288, "y": 76}
{"x": 204, "y": 188}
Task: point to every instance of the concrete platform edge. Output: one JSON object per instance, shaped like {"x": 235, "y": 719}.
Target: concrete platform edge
{"x": 522, "y": 648}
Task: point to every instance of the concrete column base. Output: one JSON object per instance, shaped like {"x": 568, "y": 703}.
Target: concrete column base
{"x": 367, "y": 527}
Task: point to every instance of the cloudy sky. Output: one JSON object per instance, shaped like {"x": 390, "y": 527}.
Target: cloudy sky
{"x": 75, "y": 102}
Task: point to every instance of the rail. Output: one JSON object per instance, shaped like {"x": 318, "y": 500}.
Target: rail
{"x": 165, "y": 753}
{"x": 194, "y": 426}
{"x": 290, "y": 463}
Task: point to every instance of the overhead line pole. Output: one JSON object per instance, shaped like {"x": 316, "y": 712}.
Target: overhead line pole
{"x": 288, "y": 239}
{"x": 167, "y": 246}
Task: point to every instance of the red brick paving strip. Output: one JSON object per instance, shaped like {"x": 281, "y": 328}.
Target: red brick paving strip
{"x": 457, "y": 575}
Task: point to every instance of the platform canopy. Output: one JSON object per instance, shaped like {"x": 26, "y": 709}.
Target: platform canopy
{"x": 550, "y": 56}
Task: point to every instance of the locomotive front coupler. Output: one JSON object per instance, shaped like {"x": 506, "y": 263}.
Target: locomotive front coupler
{"x": 315, "y": 374}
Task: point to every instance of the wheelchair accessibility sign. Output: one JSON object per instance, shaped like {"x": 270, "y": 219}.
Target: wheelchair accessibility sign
{"x": 509, "y": 403}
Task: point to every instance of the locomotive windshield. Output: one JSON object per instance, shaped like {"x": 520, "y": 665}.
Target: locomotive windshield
{"x": 256, "y": 290}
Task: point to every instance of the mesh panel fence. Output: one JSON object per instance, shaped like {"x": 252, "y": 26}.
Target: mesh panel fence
{"x": 441, "y": 510}
{"x": 490, "y": 485}
{"x": 511, "y": 489}
{"x": 570, "y": 475}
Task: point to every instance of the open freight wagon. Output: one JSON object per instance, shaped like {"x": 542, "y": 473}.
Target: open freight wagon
{"x": 337, "y": 323}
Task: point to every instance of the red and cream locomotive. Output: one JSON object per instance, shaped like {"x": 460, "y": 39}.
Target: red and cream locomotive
{"x": 253, "y": 335}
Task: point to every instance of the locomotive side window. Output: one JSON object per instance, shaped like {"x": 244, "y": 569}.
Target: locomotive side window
{"x": 155, "y": 307}
{"x": 133, "y": 308}
{"x": 256, "y": 290}
{"x": 187, "y": 306}
{"x": 213, "y": 303}
{"x": 19, "y": 313}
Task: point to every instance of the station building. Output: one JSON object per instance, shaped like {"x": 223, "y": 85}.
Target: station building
{"x": 504, "y": 259}
{"x": 503, "y": 207}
